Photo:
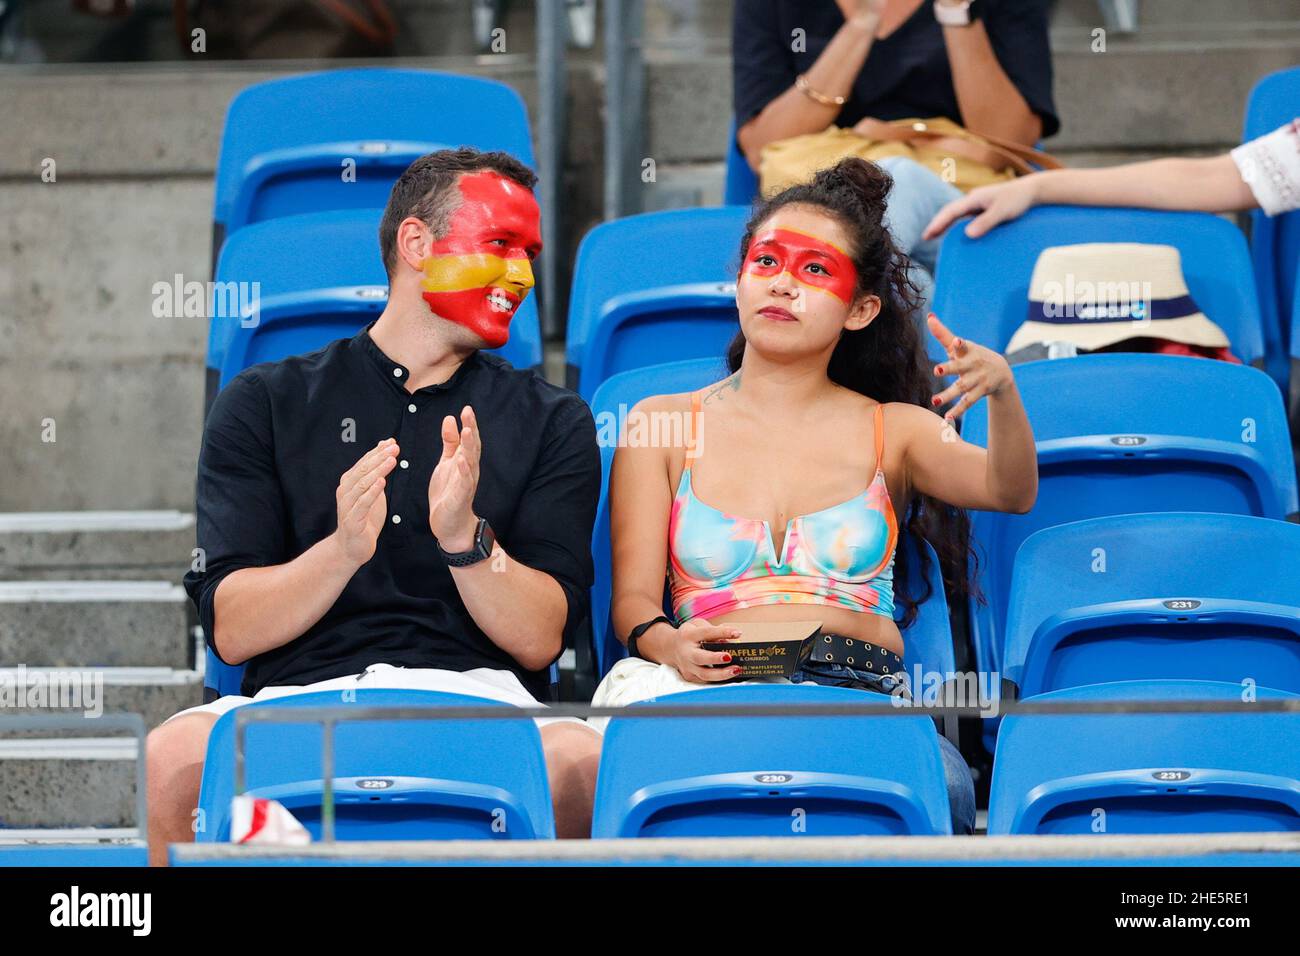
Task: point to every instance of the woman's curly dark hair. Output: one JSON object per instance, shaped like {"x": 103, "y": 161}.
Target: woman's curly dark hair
{"x": 885, "y": 361}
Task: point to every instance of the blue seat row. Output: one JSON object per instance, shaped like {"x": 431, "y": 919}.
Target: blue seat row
{"x": 780, "y": 776}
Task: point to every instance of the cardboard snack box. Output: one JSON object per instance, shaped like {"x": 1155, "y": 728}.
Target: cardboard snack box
{"x": 768, "y": 649}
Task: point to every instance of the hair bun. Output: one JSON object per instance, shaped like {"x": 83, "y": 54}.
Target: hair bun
{"x": 868, "y": 183}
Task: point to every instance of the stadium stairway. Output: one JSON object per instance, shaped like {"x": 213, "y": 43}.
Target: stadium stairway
{"x": 91, "y": 610}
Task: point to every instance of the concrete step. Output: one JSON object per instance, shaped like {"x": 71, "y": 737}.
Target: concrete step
{"x": 122, "y": 545}
{"x": 67, "y": 783}
{"x": 444, "y": 27}
{"x": 1133, "y": 97}
{"x": 155, "y": 693}
{"x": 95, "y": 624}
{"x": 81, "y": 778}
{"x": 1157, "y": 15}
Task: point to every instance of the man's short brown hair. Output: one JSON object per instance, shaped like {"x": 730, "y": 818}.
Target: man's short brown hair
{"x": 427, "y": 191}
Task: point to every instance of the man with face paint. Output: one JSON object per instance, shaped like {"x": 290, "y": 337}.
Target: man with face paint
{"x": 401, "y": 508}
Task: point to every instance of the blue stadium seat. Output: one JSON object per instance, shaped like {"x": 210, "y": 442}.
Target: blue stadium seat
{"x": 1275, "y": 242}
{"x": 286, "y": 141}
{"x": 929, "y": 639}
{"x": 446, "y": 779}
{"x": 770, "y": 776}
{"x": 1156, "y": 596}
{"x": 982, "y": 285}
{"x": 652, "y": 288}
{"x": 1129, "y": 433}
{"x": 1136, "y": 773}
{"x": 741, "y": 185}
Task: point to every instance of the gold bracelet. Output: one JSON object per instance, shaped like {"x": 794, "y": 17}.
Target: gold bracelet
{"x": 802, "y": 85}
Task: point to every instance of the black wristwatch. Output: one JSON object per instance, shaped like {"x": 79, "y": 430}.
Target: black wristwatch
{"x": 640, "y": 629}
{"x": 484, "y": 539}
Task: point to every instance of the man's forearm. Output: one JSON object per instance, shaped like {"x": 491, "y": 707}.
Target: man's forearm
{"x": 259, "y": 609}
{"x": 520, "y": 609}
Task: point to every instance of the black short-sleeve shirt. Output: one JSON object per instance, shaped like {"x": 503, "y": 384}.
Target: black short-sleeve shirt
{"x": 280, "y": 436}
{"x": 905, "y": 75}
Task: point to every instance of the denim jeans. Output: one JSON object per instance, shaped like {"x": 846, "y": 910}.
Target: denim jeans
{"x": 956, "y": 774}
{"x": 917, "y": 195}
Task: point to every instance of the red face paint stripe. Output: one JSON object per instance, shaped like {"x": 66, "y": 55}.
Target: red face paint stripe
{"x": 797, "y": 253}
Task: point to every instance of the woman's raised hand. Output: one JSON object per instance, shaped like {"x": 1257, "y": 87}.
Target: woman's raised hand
{"x": 980, "y": 371}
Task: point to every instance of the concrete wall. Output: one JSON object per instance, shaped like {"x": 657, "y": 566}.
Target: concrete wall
{"x": 133, "y": 149}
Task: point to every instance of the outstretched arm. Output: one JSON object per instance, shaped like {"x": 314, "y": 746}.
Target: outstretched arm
{"x": 1002, "y": 477}
{"x": 1211, "y": 184}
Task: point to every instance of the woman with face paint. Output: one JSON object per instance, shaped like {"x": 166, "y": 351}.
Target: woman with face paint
{"x": 821, "y": 445}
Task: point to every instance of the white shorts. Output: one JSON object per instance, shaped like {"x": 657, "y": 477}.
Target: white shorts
{"x": 634, "y": 679}
{"x": 499, "y": 685}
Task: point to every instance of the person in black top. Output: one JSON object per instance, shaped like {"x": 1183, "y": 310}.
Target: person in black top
{"x": 986, "y": 64}
{"x": 401, "y": 509}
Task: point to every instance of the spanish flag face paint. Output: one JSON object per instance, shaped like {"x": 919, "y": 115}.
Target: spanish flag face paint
{"x": 818, "y": 266}
{"x": 478, "y": 273}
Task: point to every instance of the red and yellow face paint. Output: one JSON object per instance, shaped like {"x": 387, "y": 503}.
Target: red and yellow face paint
{"x": 481, "y": 270}
{"x": 817, "y": 265}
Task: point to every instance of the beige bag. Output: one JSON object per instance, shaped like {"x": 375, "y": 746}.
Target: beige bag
{"x": 955, "y": 154}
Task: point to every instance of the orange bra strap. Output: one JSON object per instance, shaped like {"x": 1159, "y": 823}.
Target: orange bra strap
{"x": 693, "y": 439}
{"x": 880, "y": 436}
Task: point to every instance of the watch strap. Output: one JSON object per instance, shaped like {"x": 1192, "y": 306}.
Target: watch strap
{"x": 484, "y": 539}
{"x": 640, "y": 629}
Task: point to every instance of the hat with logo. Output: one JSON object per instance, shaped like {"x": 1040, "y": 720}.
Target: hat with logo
{"x": 1099, "y": 293}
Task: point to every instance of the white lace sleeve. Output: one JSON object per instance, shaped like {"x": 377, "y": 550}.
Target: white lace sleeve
{"x": 1270, "y": 166}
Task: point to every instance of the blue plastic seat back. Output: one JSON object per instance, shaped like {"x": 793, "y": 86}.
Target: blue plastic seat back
{"x": 653, "y": 288}
{"x": 929, "y": 639}
{"x": 771, "y": 776}
{"x": 288, "y": 144}
{"x": 320, "y": 277}
{"x": 982, "y": 285}
{"x": 1275, "y": 241}
{"x": 1130, "y": 433}
{"x": 1153, "y": 596}
{"x": 741, "y": 185}
{"x": 1147, "y": 773}
{"x": 394, "y": 779}
{"x": 610, "y": 406}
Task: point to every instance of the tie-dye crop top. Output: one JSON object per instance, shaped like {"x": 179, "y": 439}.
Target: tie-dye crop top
{"x": 842, "y": 555}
